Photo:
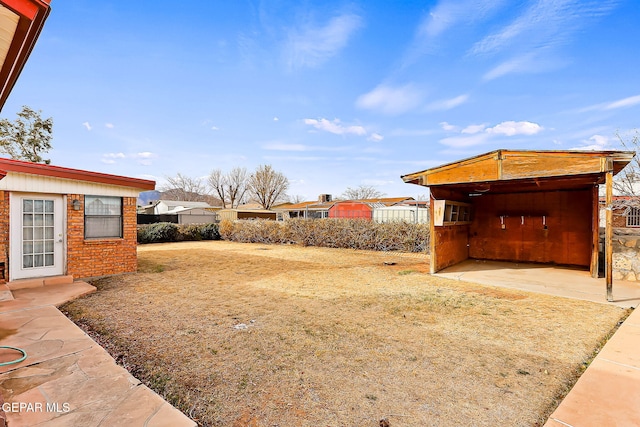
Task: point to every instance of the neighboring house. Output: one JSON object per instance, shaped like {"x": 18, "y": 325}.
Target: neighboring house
{"x": 61, "y": 221}
{"x": 314, "y": 209}
{"x": 626, "y": 212}
{"x": 363, "y": 208}
{"x": 160, "y": 207}
{"x": 234, "y": 214}
{"x": 196, "y": 216}
{"x": 177, "y": 212}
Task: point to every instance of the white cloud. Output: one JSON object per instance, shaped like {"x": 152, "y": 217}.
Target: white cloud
{"x": 544, "y": 23}
{"x": 391, "y": 100}
{"x": 310, "y": 46}
{"x": 109, "y": 125}
{"x": 473, "y": 135}
{"x": 145, "y": 155}
{"x": 512, "y": 128}
{"x": 282, "y": 146}
{"x": 336, "y": 127}
{"x": 471, "y": 129}
{"x": 448, "y": 127}
{"x": 595, "y": 143}
{"x": 465, "y": 141}
{"x": 111, "y": 158}
{"x": 448, "y": 13}
{"x": 215, "y": 128}
{"x": 375, "y": 137}
{"x": 448, "y": 104}
{"x": 623, "y": 103}
{"x": 278, "y": 146}
{"x": 87, "y": 125}
{"x": 275, "y": 119}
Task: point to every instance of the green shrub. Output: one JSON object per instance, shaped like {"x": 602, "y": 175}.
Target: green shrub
{"x": 189, "y": 232}
{"x": 209, "y": 231}
{"x": 168, "y": 232}
{"x": 159, "y": 232}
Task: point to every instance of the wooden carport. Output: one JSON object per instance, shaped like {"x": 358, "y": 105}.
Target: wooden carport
{"x": 522, "y": 206}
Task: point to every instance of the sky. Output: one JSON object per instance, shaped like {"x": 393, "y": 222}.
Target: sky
{"x": 333, "y": 94}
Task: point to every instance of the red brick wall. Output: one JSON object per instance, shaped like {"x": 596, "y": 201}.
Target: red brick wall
{"x": 100, "y": 257}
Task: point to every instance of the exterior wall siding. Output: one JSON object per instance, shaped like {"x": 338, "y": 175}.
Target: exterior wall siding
{"x": 4, "y": 234}
{"x": 100, "y": 257}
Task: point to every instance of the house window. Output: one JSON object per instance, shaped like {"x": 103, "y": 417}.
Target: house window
{"x": 633, "y": 217}
{"x": 102, "y": 217}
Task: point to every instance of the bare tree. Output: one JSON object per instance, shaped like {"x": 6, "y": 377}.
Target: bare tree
{"x": 627, "y": 182}
{"x": 231, "y": 188}
{"x": 184, "y": 188}
{"x": 267, "y": 186}
{"x": 362, "y": 192}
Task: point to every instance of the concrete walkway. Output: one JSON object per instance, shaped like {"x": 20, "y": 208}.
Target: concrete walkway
{"x": 544, "y": 279}
{"x": 608, "y": 392}
{"x": 67, "y": 379}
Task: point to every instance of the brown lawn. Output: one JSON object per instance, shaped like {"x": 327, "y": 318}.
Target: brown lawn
{"x": 336, "y": 337}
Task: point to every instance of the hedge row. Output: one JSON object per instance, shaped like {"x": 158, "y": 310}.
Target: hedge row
{"x": 331, "y": 233}
{"x": 168, "y": 232}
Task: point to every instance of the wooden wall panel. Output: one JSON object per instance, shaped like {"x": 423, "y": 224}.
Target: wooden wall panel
{"x": 475, "y": 171}
{"x": 451, "y": 244}
{"x": 516, "y": 166}
{"x": 566, "y": 240}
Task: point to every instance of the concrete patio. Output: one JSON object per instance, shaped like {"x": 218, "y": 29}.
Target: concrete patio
{"x": 544, "y": 279}
{"x": 67, "y": 379}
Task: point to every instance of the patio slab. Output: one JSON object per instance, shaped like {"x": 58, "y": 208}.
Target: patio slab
{"x": 545, "y": 279}
{"x": 67, "y": 379}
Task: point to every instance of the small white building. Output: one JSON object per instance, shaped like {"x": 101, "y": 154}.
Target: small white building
{"x": 160, "y": 207}
{"x": 409, "y": 214}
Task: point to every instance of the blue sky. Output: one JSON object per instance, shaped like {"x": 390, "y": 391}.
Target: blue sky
{"x": 333, "y": 94}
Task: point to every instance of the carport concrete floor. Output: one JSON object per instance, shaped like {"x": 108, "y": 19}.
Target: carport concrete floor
{"x": 67, "y": 379}
{"x": 545, "y": 279}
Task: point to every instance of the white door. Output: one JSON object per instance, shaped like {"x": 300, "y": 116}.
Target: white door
{"x": 37, "y": 235}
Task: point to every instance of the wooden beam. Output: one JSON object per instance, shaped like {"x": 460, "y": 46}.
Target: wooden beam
{"x": 432, "y": 237}
{"x": 608, "y": 238}
{"x": 595, "y": 230}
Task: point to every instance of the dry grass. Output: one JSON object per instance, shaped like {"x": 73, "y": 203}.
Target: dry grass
{"x": 337, "y": 337}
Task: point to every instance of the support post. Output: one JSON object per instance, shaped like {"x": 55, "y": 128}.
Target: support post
{"x": 608, "y": 238}
{"x": 595, "y": 229}
{"x": 432, "y": 237}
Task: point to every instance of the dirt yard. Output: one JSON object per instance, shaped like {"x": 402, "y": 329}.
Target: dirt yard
{"x": 256, "y": 335}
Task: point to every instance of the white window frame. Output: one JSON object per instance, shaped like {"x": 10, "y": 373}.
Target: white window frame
{"x": 89, "y": 233}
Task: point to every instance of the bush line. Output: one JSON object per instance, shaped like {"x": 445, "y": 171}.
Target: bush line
{"x": 348, "y": 233}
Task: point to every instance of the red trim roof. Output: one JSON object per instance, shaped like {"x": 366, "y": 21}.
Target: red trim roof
{"x": 19, "y": 166}
{"x": 32, "y": 15}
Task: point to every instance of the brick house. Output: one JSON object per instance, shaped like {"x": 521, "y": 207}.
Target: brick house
{"x": 61, "y": 221}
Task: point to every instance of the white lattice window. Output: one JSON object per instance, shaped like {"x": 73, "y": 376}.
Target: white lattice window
{"x": 633, "y": 217}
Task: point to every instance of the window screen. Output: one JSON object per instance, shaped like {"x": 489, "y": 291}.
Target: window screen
{"x": 102, "y": 216}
